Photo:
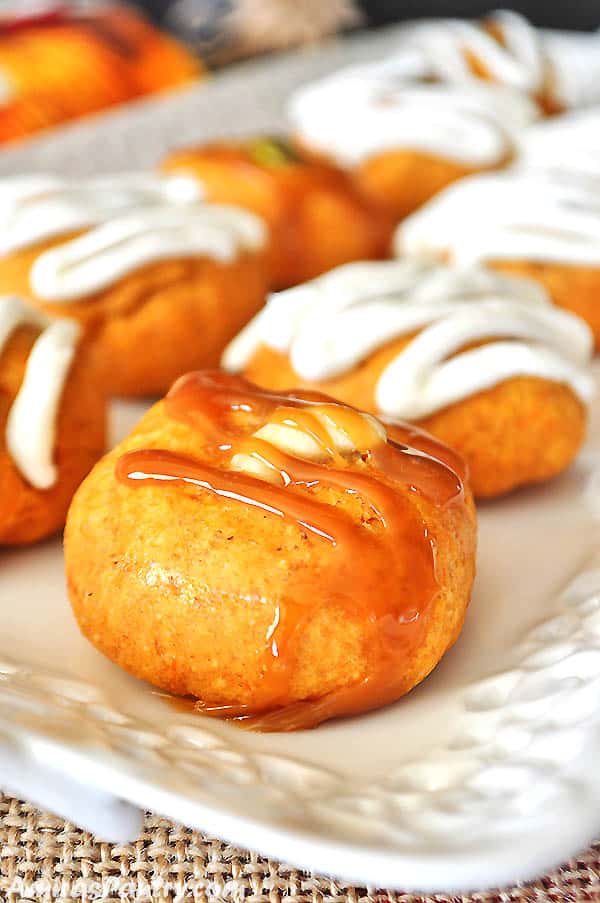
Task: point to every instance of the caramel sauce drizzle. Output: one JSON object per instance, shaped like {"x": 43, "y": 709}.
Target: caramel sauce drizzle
{"x": 379, "y": 569}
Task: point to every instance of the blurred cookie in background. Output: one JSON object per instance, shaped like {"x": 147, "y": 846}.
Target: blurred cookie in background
{"x": 301, "y": 201}
{"x": 60, "y": 61}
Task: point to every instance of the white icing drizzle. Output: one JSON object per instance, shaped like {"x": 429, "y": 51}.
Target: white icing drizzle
{"x": 36, "y": 208}
{"x": 532, "y": 60}
{"x": 365, "y": 110}
{"x": 95, "y": 260}
{"x": 574, "y": 59}
{"x": 518, "y": 62}
{"x": 513, "y": 215}
{"x": 329, "y": 325}
{"x": 31, "y": 423}
{"x": 569, "y": 143}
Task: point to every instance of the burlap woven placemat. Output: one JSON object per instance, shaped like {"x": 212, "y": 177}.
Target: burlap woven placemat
{"x": 43, "y": 858}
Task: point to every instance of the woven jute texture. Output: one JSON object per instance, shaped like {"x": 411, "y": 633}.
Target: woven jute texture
{"x": 43, "y": 858}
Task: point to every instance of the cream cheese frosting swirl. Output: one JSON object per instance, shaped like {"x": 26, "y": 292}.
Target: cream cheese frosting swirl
{"x": 514, "y": 215}
{"x": 31, "y": 423}
{"x": 365, "y": 110}
{"x": 329, "y": 325}
{"x": 128, "y": 221}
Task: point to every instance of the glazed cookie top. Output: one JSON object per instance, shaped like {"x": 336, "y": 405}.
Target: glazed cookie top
{"x": 519, "y": 214}
{"x": 509, "y": 50}
{"x": 128, "y": 221}
{"x": 252, "y": 431}
{"x": 305, "y": 461}
{"x": 328, "y": 326}
{"x": 365, "y": 110}
{"x": 31, "y": 423}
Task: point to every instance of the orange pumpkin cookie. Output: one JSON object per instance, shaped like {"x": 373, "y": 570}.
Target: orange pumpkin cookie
{"x": 159, "y": 280}
{"x": 279, "y": 557}
{"x": 52, "y": 421}
{"x": 481, "y": 361}
{"x": 405, "y": 138}
{"x": 302, "y": 202}
{"x": 542, "y": 224}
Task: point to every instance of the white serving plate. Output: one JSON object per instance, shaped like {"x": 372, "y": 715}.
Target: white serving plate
{"x": 487, "y": 773}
